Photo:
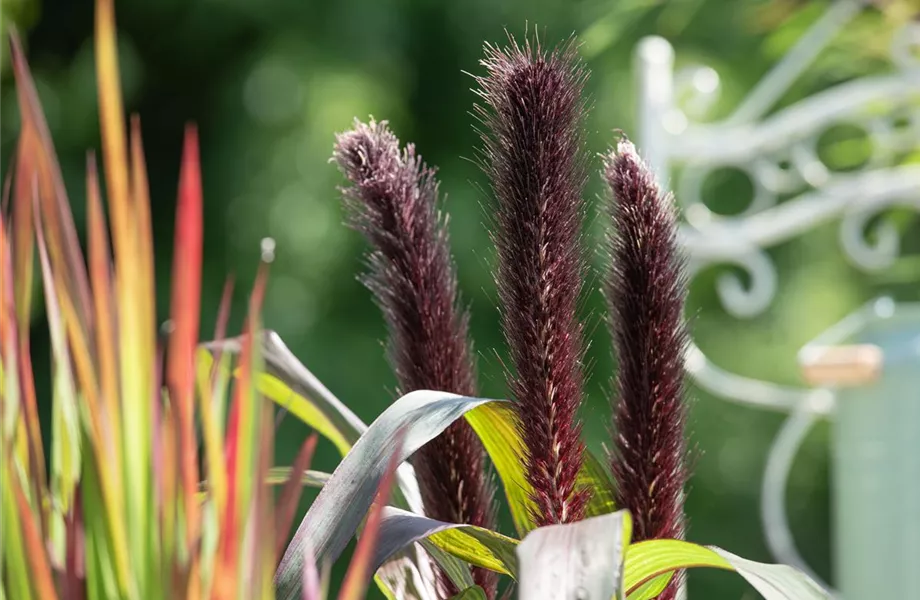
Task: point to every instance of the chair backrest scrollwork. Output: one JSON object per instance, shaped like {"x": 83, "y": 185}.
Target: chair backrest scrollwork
{"x": 794, "y": 190}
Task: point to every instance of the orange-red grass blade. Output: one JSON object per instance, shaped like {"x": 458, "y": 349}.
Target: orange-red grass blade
{"x": 106, "y": 320}
{"x": 7, "y": 305}
{"x": 111, "y": 118}
{"x": 261, "y": 554}
{"x": 73, "y": 580}
{"x": 262, "y": 557}
{"x": 167, "y": 482}
{"x": 22, "y": 232}
{"x": 223, "y": 584}
{"x": 239, "y": 442}
{"x": 140, "y": 192}
{"x": 312, "y": 586}
{"x": 7, "y": 186}
{"x": 231, "y": 530}
{"x": 185, "y": 311}
{"x": 14, "y": 437}
{"x": 286, "y": 507}
{"x": 22, "y": 235}
{"x": 137, "y": 354}
{"x": 42, "y": 582}
{"x": 22, "y": 259}
{"x": 358, "y": 575}
{"x": 40, "y": 167}
{"x": 223, "y": 312}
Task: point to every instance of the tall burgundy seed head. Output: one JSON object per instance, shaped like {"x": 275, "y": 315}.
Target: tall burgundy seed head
{"x": 646, "y": 291}
{"x": 392, "y": 201}
{"x": 534, "y": 155}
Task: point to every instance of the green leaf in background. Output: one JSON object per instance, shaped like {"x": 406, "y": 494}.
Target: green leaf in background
{"x": 16, "y": 569}
{"x": 456, "y": 570}
{"x": 581, "y": 560}
{"x": 290, "y": 385}
{"x": 594, "y": 476}
{"x": 408, "y": 577}
{"x": 282, "y": 395}
{"x": 342, "y": 503}
{"x": 496, "y": 426}
{"x": 310, "y": 478}
{"x": 647, "y": 561}
{"x": 471, "y": 593}
{"x": 475, "y": 545}
{"x": 653, "y": 588}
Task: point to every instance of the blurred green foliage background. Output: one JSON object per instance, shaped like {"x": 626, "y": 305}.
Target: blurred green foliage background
{"x": 270, "y": 82}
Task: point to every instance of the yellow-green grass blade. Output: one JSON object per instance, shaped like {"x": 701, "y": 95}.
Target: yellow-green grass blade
{"x": 496, "y": 426}
{"x": 649, "y": 560}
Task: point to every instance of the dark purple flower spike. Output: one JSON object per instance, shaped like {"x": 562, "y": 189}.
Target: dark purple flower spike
{"x": 534, "y": 155}
{"x": 646, "y": 288}
{"x": 393, "y": 202}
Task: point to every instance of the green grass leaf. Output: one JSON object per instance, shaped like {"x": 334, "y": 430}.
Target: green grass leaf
{"x": 496, "y": 426}
{"x": 471, "y": 593}
{"x": 646, "y": 561}
{"x": 16, "y": 570}
{"x": 305, "y": 410}
{"x": 474, "y": 545}
{"x": 594, "y": 476}
{"x": 342, "y": 503}
{"x": 288, "y": 383}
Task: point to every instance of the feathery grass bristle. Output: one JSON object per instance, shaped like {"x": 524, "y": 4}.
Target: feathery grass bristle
{"x": 533, "y": 153}
{"x": 645, "y": 292}
{"x": 393, "y": 202}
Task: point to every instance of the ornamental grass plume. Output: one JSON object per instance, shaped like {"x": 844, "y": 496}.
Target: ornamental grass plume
{"x": 115, "y": 507}
{"x": 392, "y": 201}
{"x": 534, "y": 155}
{"x": 645, "y": 292}
{"x": 119, "y": 511}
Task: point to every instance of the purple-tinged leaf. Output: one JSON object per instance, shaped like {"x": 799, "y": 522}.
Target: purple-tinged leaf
{"x": 362, "y": 566}
{"x": 582, "y": 560}
{"x": 312, "y": 586}
{"x": 342, "y": 503}
{"x": 474, "y": 545}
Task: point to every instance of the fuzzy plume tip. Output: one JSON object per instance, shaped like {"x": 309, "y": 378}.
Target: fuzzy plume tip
{"x": 533, "y": 152}
{"x": 646, "y": 289}
{"x": 392, "y": 201}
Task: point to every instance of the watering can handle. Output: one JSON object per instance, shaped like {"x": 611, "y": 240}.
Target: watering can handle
{"x": 773, "y": 515}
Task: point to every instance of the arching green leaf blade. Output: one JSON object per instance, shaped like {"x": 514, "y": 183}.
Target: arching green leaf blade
{"x": 345, "y": 498}
{"x": 646, "y": 561}
{"x": 496, "y": 426}
{"x": 475, "y": 545}
{"x": 471, "y": 593}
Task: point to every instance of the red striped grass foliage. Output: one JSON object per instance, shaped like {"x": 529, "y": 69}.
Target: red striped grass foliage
{"x": 118, "y": 510}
